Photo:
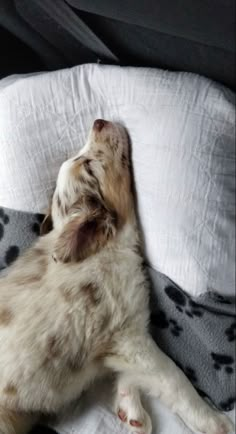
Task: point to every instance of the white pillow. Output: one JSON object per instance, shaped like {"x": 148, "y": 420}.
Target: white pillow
{"x": 182, "y": 128}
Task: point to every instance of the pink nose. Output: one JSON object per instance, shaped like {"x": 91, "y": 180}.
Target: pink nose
{"x": 99, "y": 124}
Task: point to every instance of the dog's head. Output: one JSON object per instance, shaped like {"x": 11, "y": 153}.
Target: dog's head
{"x": 93, "y": 197}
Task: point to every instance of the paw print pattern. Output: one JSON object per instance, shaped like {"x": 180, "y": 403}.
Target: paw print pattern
{"x": 219, "y": 298}
{"x": 227, "y": 405}
{"x": 191, "y": 374}
{"x": 183, "y": 303}
{"x": 160, "y": 320}
{"x": 223, "y": 361}
{"x": 13, "y": 251}
{"x": 175, "y": 329}
{"x": 231, "y": 332}
{"x": 4, "y": 221}
{"x": 11, "y": 254}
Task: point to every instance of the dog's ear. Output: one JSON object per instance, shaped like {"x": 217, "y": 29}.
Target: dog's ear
{"x": 86, "y": 233}
{"x": 46, "y": 225}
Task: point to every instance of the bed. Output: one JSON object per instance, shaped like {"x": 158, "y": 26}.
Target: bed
{"x": 182, "y": 131}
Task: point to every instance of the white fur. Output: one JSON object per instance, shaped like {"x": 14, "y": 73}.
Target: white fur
{"x": 52, "y": 316}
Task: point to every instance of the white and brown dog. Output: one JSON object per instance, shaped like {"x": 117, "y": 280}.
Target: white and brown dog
{"x": 76, "y": 305}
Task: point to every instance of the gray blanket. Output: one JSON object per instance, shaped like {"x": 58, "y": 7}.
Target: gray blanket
{"x": 198, "y": 334}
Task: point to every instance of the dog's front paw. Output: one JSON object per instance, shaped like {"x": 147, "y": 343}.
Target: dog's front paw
{"x": 217, "y": 423}
{"x": 221, "y": 424}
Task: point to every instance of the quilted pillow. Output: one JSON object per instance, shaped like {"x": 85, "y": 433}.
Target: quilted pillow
{"x": 182, "y": 129}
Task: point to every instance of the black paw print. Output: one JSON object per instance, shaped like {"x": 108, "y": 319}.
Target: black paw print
{"x": 159, "y": 319}
{"x": 191, "y": 374}
{"x": 4, "y": 217}
{"x": 223, "y": 361}
{"x": 219, "y": 298}
{"x": 231, "y": 332}
{"x": 227, "y": 405}
{"x": 36, "y": 225}
{"x": 183, "y": 303}
{"x": 12, "y": 252}
{"x": 175, "y": 329}
{"x": 5, "y": 220}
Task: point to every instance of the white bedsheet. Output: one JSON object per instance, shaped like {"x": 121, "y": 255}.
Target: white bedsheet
{"x": 93, "y": 415}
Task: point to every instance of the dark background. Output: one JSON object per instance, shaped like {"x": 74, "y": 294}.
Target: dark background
{"x": 189, "y": 35}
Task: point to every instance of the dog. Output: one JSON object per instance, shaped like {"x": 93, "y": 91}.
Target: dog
{"x": 75, "y": 306}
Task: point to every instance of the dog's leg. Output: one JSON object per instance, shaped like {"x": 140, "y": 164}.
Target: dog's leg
{"x": 129, "y": 409}
{"x": 146, "y": 366}
{"x": 15, "y": 423}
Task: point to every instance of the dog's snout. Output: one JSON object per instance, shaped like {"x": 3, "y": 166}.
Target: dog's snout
{"x": 99, "y": 124}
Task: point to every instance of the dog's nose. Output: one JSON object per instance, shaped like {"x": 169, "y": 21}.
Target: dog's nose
{"x": 99, "y": 124}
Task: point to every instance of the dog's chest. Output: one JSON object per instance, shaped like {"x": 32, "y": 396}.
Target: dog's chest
{"x": 118, "y": 294}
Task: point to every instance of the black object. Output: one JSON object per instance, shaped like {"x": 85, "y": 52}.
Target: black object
{"x": 41, "y": 429}
{"x": 189, "y": 35}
